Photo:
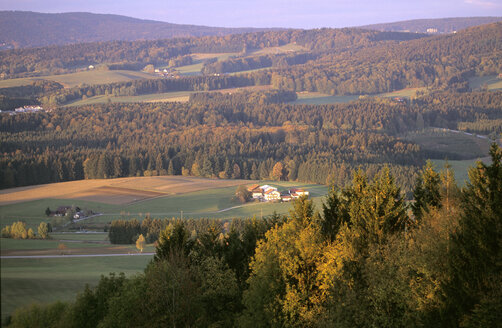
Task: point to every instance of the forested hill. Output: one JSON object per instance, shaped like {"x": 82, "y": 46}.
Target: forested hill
{"x": 58, "y": 59}
{"x": 19, "y": 29}
{"x": 443, "y": 25}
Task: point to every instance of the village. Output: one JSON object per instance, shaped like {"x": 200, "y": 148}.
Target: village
{"x": 266, "y": 193}
{"x": 24, "y": 109}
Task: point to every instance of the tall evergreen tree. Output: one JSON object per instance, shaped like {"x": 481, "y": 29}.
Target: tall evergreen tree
{"x": 427, "y": 191}
{"x": 475, "y": 257}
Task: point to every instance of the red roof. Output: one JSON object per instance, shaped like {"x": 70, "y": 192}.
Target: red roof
{"x": 253, "y": 187}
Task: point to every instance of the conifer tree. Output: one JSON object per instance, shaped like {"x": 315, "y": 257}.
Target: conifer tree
{"x": 427, "y": 191}
{"x": 476, "y": 250}
{"x": 332, "y": 215}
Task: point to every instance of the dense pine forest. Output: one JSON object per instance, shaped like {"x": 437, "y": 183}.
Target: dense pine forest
{"x": 361, "y": 260}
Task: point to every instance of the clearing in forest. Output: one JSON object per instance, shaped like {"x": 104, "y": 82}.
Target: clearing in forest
{"x": 85, "y": 77}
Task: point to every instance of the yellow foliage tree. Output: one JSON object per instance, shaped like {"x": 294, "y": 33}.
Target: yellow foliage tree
{"x": 140, "y": 243}
{"x": 277, "y": 171}
{"x": 61, "y": 247}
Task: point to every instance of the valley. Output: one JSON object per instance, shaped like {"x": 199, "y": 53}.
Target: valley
{"x": 147, "y": 149}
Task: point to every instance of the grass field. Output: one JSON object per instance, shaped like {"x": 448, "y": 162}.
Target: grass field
{"x": 26, "y": 281}
{"x": 287, "y": 48}
{"x": 8, "y": 245}
{"x": 198, "y": 62}
{"x": 85, "y": 77}
{"x": 453, "y": 145}
{"x": 181, "y": 96}
{"x": 80, "y": 189}
{"x": 461, "y": 168}
{"x": 404, "y": 93}
{"x": 492, "y": 82}
{"x": 317, "y": 98}
{"x": 135, "y": 197}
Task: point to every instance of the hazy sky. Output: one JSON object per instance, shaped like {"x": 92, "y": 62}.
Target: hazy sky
{"x": 269, "y": 13}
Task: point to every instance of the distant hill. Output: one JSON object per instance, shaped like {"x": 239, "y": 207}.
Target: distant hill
{"x": 433, "y": 26}
{"x": 22, "y": 29}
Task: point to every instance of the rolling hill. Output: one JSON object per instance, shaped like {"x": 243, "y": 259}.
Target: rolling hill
{"x": 442, "y": 25}
{"x": 21, "y": 29}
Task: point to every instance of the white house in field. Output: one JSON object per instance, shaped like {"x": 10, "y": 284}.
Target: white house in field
{"x": 297, "y": 193}
{"x": 269, "y": 193}
{"x": 272, "y": 194}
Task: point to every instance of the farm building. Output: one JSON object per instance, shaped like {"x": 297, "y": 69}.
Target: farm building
{"x": 296, "y": 192}
{"x": 286, "y": 197}
{"x": 269, "y": 193}
{"x": 272, "y": 194}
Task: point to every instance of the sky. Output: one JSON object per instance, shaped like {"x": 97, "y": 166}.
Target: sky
{"x": 269, "y": 13}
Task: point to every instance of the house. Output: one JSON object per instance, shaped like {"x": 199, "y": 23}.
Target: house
{"x": 253, "y": 187}
{"x": 257, "y": 193}
{"x": 272, "y": 194}
{"x": 266, "y": 188}
{"x": 62, "y": 210}
{"x": 286, "y": 197}
{"x": 28, "y": 109}
{"x": 297, "y": 192}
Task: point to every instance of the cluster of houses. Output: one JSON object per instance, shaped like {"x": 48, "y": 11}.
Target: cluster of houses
{"x": 24, "y": 109}
{"x": 28, "y": 109}
{"x": 268, "y": 193}
{"x": 75, "y": 211}
{"x": 166, "y": 72}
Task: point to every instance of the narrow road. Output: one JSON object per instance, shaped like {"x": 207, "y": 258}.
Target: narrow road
{"x": 65, "y": 256}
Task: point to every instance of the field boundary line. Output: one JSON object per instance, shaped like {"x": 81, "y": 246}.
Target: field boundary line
{"x": 66, "y": 256}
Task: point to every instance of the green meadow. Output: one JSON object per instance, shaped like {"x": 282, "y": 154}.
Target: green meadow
{"x": 199, "y": 59}
{"x": 181, "y": 96}
{"x": 451, "y": 145}
{"x": 210, "y": 203}
{"x": 27, "y": 281}
{"x": 491, "y": 82}
{"x": 85, "y": 77}
{"x": 460, "y": 168}
{"x": 317, "y": 98}
{"x": 37, "y": 244}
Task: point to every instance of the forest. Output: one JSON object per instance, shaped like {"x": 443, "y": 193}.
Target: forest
{"x": 231, "y": 138}
{"x": 366, "y": 258}
{"x": 59, "y": 59}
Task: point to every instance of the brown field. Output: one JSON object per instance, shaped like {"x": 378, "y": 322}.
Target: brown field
{"x": 119, "y": 191}
{"x": 173, "y": 99}
{"x": 115, "y": 195}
